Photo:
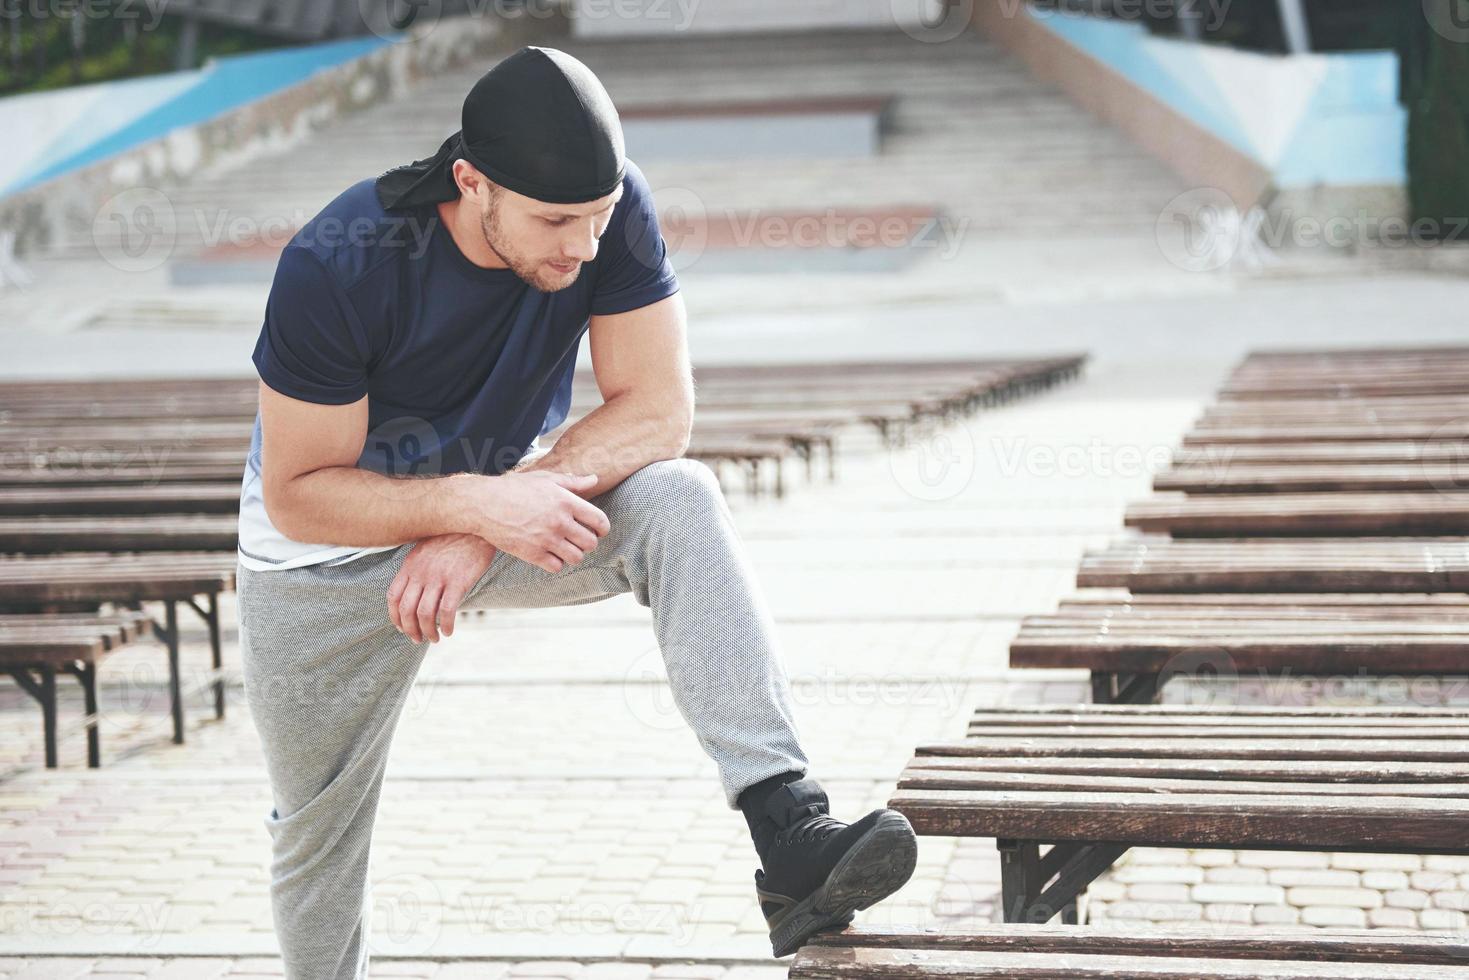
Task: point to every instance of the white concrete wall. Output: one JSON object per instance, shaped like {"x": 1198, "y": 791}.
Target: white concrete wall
{"x": 641, "y": 18}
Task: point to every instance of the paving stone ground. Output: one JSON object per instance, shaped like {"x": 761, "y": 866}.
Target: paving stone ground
{"x": 546, "y": 812}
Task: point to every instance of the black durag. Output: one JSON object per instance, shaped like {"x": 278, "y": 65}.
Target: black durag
{"x": 539, "y": 123}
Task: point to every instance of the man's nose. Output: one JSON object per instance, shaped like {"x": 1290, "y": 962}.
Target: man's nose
{"x": 582, "y": 248}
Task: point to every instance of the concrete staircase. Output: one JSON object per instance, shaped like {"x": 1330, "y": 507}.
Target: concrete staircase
{"x": 970, "y": 132}
{"x": 1001, "y": 156}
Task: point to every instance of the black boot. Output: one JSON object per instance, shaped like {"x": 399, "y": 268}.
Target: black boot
{"x": 819, "y": 871}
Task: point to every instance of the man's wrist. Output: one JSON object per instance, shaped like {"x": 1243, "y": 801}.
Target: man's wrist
{"x": 461, "y": 502}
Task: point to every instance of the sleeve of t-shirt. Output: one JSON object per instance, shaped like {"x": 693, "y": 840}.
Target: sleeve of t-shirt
{"x": 633, "y": 269}
{"x": 312, "y": 346}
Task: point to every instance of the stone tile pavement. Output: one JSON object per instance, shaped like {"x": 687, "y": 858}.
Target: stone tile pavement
{"x": 546, "y": 813}
{"x": 544, "y": 797}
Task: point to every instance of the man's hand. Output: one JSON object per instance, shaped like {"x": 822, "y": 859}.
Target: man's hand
{"x": 538, "y": 516}
{"x": 433, "y": 581}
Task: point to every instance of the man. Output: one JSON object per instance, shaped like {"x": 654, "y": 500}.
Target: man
{"x": 420, "y": 335}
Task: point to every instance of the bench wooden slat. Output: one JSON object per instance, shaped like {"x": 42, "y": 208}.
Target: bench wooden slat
{"x": 89, "y": 577}
{"x": 824, "y": 963}
{"x": 960, "y": 756}
{"x": 1233, "y": 655}
{"x": 1403, "y": 750}
{"x": 1229, "y": 603}
{"x": 1355, "y": 946}
{"x": 1099, "y": 734}
{"x": 1154, "y": 564}
{"x": 1237, "y": 713}
{"x": 1188, "y": 720}
{"x": 1318, "y": 822}
{"x": 920, "y": 777}
{"x": 1379, "y": 432}
{"x": 1342, "y": 478}
{"x": 1324, "y": 514}
{"x": 167, "y": 498}
{"x": 185, "y": 532}
{"x": 1235, "y": 458}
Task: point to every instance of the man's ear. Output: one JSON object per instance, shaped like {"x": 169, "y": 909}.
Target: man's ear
{"x": 471, "y": 183}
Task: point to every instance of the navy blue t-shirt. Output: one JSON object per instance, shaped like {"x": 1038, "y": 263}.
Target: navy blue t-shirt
{"x": 463, "y": 367}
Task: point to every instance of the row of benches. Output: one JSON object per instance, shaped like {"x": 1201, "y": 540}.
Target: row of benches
{"x": 127, "y": 492}
{"x": 1066, "y": 790}
{"x": 751, "y": 418}
{"x": 1340, "y": 580}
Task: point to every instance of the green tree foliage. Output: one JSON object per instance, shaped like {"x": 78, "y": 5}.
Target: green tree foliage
{"x": 1436, "y": 92}
{"x": 47, "y": 44}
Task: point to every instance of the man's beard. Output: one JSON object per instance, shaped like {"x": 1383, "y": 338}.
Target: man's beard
{"x": 536, "y": 275}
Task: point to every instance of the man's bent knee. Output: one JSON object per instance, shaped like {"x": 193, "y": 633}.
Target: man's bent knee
{"x": 675, "y": 479}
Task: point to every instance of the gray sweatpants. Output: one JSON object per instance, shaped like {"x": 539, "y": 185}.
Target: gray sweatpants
{"x": 327, "y": 675}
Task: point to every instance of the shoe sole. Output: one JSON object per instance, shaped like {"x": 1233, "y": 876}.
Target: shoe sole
{"x": 877, "y": 865}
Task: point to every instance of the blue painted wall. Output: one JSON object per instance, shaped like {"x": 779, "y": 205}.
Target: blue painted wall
{"x": 1349, "y": 129}
{"x": 115, "y": 116}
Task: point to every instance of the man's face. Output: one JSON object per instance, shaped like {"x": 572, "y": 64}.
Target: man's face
{"x": 545, "y": 244}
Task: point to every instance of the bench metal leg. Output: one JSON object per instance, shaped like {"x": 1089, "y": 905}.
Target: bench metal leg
{"x": 43, "y": 689}
{"x": 1024, "y": 875}
{"x": 216, "y": 648}
{"x": 169, "y": 635}
{"x": 1020, "y": 884}
{"x": 86, "y": 674}
{"x": 806, "y": 455}
{"x": 175, "y": 688}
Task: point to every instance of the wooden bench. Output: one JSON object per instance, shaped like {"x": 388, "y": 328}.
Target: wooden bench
{"x": 1313, "y": 478}
{"x": 1065, "y": 791}
{"x": 1038, "y": 952}
{"x": 1371, "y": 373}
{"x": 128, "y": 532}
{"x": 82, "y": 582}
{"x": 1218, "y": 515}
{"x": 1414, "y": 452}
{"x": 1132, "y": 646}
{"x": 750, "y": 416}
{"x": 1417, "y": 408}
{"x": 1456, "y": 429}
{"x": 35, "y": 648}
{"x": 170, "y": 498}
{"x": 1284, "y": 565}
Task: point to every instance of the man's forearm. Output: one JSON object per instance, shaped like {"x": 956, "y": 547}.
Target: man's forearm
{"x": 352, "y": 507}
{"x": 616, "y": 439}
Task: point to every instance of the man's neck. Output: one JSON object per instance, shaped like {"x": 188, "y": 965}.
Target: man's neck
{"x": 464, "y": 228}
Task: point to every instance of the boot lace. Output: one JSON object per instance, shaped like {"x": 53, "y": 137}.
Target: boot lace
{"x": 817, "y": 827}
